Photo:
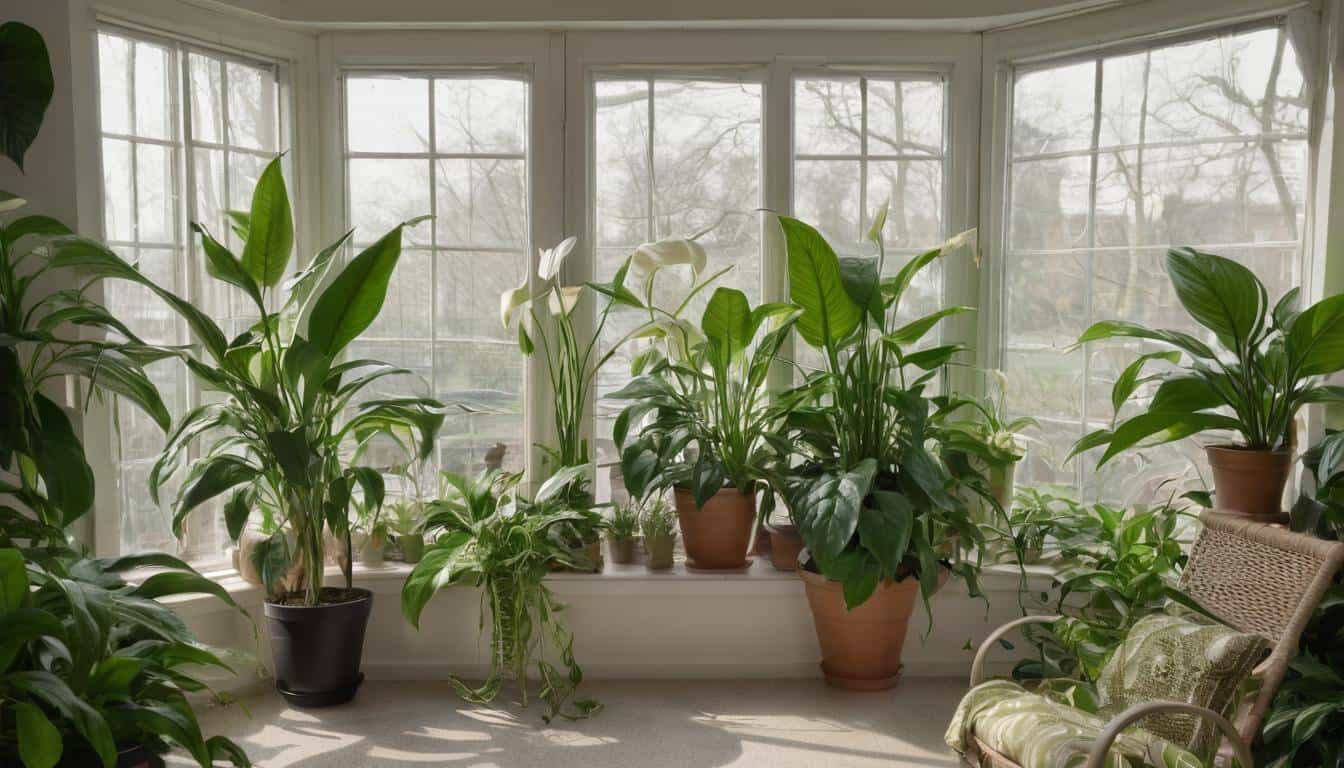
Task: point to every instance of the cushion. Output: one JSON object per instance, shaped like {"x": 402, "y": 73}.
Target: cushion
{"x": 1037, "y": 732}
{"x": 1179, "y": 656}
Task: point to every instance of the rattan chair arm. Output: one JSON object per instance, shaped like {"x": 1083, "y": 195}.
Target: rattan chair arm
{"x": 978, "y": 666}
{"x": 1097, "y": 757}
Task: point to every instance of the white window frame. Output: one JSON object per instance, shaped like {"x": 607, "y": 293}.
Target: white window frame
{"x": 222, "y": 36}
{"x": 1084, "y": 37}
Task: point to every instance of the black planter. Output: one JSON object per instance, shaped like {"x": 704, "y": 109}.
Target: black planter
{"x": 317, "y": 649}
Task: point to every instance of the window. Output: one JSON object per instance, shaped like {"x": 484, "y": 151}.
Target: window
{"x": 454, "y": 146}
{"x": 673, "y": 157}
{"x": 185, "y": 134}
{"x": 859, "y": 141}
{"x": 1112, "y": 159}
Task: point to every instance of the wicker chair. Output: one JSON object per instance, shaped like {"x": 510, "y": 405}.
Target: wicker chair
{"x": 1255, "y": 578}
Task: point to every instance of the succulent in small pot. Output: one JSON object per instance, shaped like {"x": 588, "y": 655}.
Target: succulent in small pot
{"x": 1249, "y": 372}
{"x": 621, "y": 529}
{"x": 704, "y": 423}
{"x": 658, "y": 524}
{"x": 879, "y": 512}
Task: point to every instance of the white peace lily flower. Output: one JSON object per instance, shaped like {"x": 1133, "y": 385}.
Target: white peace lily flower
{"x": 10, "y": 202}
{"x": 548, "y": 266}
{"x": 682, "y": 336}
{"x": 967, "y": 239}
{"x": 650, "y": 257}
{"x": 879, "y": 221}
{"x": 564, "y": 300}
{"x": 511, "y": 300}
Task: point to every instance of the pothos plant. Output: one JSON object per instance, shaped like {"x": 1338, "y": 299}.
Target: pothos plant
{"x": 712, "y": 424}
{"x": 871, "y": 498}
{"x": 490, "y": 537}
{"x": 288, "y": 408}
{"x": 545, "y": 311}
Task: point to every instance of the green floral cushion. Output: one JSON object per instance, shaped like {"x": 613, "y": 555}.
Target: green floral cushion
{"x": 1179, "y": 657}
{"x": 1038, "y": 732}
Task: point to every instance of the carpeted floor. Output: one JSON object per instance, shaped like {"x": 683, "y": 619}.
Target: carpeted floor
{"x": 645, "y": 724}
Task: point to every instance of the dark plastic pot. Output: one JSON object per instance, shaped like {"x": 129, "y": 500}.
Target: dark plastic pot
{"x": 136, "y": 757}
{"x": 317, "y": 649}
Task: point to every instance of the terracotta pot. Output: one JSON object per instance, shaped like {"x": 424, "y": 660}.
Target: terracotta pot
{"x": 785, "y": 544}
{"x": 861, "y": 648}
{"x": 1249, "y": 483}
{"x": 660, "y": 552}
{"x": 621, "y": 551}
{"x": 717, "y": 535}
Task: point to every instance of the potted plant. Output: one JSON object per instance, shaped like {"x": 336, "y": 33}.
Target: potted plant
{"x": 289, "y": 410}
{"x": 876, "y": 508}
{"x": 407, "y": 522}
{"x": 707, "y": 422}
{"x": 658, "y": 524}
{"x": 1260, "y": 366}
{"x": 487, "y": 536}
{"x": 978, "y": 432}
{"x": 786, "y": 544}
{"x": 369, "y": 535}
{"x": 621, "y": 530}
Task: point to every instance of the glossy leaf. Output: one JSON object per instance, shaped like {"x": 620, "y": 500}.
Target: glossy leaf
{"x": 354, "y": 299}
{"x": 815, "y": 285}
{"x": 828, "y": 513}
{"x": 26, "y": 86}
{"x": 270, "y": 236}
{"x": 1220, "y": 294}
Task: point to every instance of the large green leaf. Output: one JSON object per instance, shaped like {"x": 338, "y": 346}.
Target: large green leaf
{"x": 13, "y": 581}
{"x": 221, "y": 264}
{"x": 727, "y": 320}
{"x": 1156, "y": 427}
{"x": 110, "y": 370}
{"x": 885, "y": 527}
{"x": 914, "y": 330}
{"x": 26, "y": 86}
{"x": 441, "y": 565}
{"x": 1128, "y": 380}
{"x": 31, "y": 225}
{"x": 90, "y": 724}
{"x": 815, "y": 285}
{"x": 39, "y": 742}
{"x": 829, "y": 511}
{"x": 859, "y": 276}
{"x": 210, "y": 477}
{"x": 1316, "y": 337}
{"x": 353, "y": 300}
{"x": 270, "y": 236}
{"x": 1110, "y": 329}
{"x": 60, "y": 459}
{"x": 181, "y": 583}
{"x": 1219, "y": 294}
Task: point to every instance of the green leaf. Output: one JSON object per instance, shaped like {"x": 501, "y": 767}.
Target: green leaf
{"x": 270, "y": 236}
{"x": 210, "y": 477}
{"x": 221, "y": 264}
{"x": 859, "y": 276}
{"x": 1110, "y": 329}
{"x": 26, "y": 86}
{"x": 39, "y": 742}
{"x": 236, "y": 511}
{"x": 727, "y": 320}
{"x": 113, "y": 371}
{"x": 1316, "y": 338}
{"x": 829, "y": 512}
{"x": 12, "y": 232}
{"x": 13, "y": 581}
{"x": 61, "y": 462}
{"x": 914, "y": 331}
{"x": 815, "y": 285}
{"x": 1128, "y": 380}
{"x": 181, "y": 583}
{"x": 87, "y": 721}
{"x": 442, "y": 564}
{"x": 354, "y": 299}
{"x": 894, "y": 287}
{"x": 1158, "y": 427}
{"x": 1220, "y": 294}
{"x": 885, "y": 527}
{"x": 290, "y": 449}
{"x": 558, "y": 482}
{"x": 302, "y": 285}
{"x": 1311, "y": 718}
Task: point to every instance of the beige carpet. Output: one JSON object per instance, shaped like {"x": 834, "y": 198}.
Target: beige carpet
{"x": 646, "y": 724}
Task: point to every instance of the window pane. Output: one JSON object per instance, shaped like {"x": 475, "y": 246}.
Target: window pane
{"x": 913, "y": 190}
{"x": 153, "y": 91}
{"x": 384, "y": 193}
{"x": 252, "y": 107}
{"x": 480, "y": 115}
{"x": 1195, "y": 145}
{"x": 156, "y": 194}
{"x": 905, "y": 117}
{"x": 481, "y": 202}
{"x": 387, "y": 114}
{"x": 118, "y": 191}
{"x": 621, "y": 172}
{"x": 114, "y": 83}
{"x": 827, "y": 116}
{"x": 207, "y": 98}
{"x": 826, "y": 195}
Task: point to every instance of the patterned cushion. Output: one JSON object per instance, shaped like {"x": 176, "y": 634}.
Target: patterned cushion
{"x": 1179, "y": 657}
{"x": 1037, "y": 732}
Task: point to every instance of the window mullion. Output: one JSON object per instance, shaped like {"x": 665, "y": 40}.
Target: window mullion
{"x": 863, "y": 158}
{"x": 434, "y": 249}
{"x": 1079, "y": 469}
{"x": 648, "y": 158}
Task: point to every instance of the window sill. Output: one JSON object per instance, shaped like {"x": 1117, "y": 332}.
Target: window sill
{"x": 760, "y": 580}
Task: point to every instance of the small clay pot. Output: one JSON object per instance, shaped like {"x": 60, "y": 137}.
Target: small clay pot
{"x": 621, "y": 551}
{"x": 1249, "y": 483}
{"x": 716, "y": 535}
{"x": 412, "y": 547}
{"x": 660, "y": 552}
{"x": 785, "y": 545}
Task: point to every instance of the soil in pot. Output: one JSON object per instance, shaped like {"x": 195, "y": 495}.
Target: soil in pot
{"x": 318, "y": 649}
{"x": 785, "y": 545}
{"x": 861, "y": 647}
{"x": 660, "y": 552}
{"x": 716, "y": 535}
{"x": 1248, "y": 483}
{"x": 621, "y": 551}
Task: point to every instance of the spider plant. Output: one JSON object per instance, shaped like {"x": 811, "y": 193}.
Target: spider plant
{"x": 490, "y": 537}
{"x": 871, "y": 498}
{"x": 624, "y": 522}
{"x": 288, "y": 408}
